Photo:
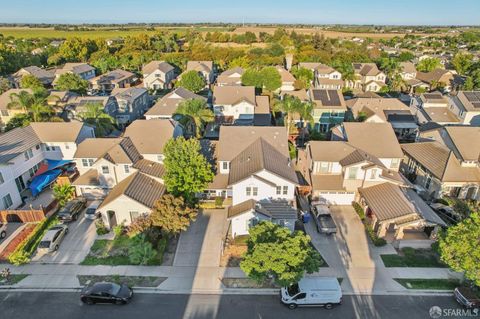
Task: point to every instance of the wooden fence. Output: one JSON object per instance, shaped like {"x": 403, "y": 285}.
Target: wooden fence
{"x": 21, "y": 216}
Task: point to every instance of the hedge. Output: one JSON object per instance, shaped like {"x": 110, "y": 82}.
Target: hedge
{"x": 24, "y": 251}
{"x": 377, "y": 241}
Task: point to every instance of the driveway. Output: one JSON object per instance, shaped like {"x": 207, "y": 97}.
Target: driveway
{"x": 75, "y": 246}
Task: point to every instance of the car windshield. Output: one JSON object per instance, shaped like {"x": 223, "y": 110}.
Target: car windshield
{"x": 293, "y": 290}
{"x": 114, "y": 289}
{"x": 44, "y": 244}
{"x": 90, "y": 211}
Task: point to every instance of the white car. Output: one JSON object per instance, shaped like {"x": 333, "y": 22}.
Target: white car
{"x": 91, "y": 212}
{"x": 52, "y": 239}
{"x": 3, "y": 231}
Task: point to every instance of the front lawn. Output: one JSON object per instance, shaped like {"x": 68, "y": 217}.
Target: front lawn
{"x": 409, "y": 257}
{"x": 131, "y": 281}
{"x": 12, "y": 280}
{"x": 115, "y": 252}
{"x": 429, "y": 284}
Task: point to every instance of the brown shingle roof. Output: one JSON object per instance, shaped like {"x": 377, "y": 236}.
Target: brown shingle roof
{"x": 95, "y": 147}
{"x": 329, "y": 151}
{"x": 168, "y": 104}
{"x": 5, "y": 98}
{"x": 206, "y": 66}
{"x": 466, "y": 140}
{"x": 57, "y": 131}
{"x": 150, "y": 168}
{"x": 378, "y": 106}
{"x": 124, "y": 152}
{"x": 231, "y": 95}
{"x": 90, "y": 178}
{"x": 327, "y": 182}
{"x": 150, "y": 136}
{"x": 241, "y": 208}
{"x": 157, "y": 65}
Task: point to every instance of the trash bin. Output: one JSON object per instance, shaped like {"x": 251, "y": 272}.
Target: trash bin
{"x": 306, "y": 217}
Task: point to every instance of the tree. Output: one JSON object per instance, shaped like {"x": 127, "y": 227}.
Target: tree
{"x": 187, "y": 171}
{"x": 30, "y": 82}
{"x": 429, "y": 64}
{"x": 252, "y": 77}
{"x": 305, "y": 76}
{"x": 196, "y": 113}
{"x": 94, "y": 115}
{"x": 35, "y": 104}
{"x": 192, "y": 81}
{"x": 289, "y": 106}
{"x": 4, "y": 85}
{"x": 63, "y": 193}
{"x": 462, "y": 62}
{"x": 18, "y": 120}
{"x": 172, "y": 214}
{"x": 271, "y": 79}
{"x": 459, "y": 247}
{"x": 274, "y": 251}
{"x": 305, "y": 111}
{"x": 140, "y": 250}
{"x": 71, "y": 82}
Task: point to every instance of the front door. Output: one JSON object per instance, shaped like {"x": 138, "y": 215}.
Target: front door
{"x": 20, "y": 183}
{"x": 471, "y": 193}
{"x": 112, "y": 219}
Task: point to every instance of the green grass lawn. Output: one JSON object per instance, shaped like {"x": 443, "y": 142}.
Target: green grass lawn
{"x": 12, "y": 280}
{"x": 428, "y": 284}
{"x": 115, "y": 252}
{"x": 131, "y": 281}
{"x": 413, "y": 258}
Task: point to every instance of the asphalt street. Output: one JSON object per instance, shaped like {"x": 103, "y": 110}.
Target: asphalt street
{"x": 52, "y": 305}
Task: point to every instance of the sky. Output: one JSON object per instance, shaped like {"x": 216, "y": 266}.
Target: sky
{"x": 384, "y": 12}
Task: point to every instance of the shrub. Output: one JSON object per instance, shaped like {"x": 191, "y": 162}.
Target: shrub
{"x": 119, "y": 230}
{"x": 218, "y": 201}
{"x": 140, "y": 251}
{"x": 377, "y": 241}
{"x": 359, "y": 210}
{"x": 101, "y": 228}
{"x": 139, "y": 225}
{"x": 442, "y": 201}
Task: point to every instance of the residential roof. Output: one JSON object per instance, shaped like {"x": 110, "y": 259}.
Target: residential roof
{"x": 316, "y": 66}
{"x": 150, "y": 168}
{"x": 327, "y": 182}
{"x": 381, "y": 107}
{"x": 421, "y": 207}
{"x": 408, "y": 67}
{"x": 43, "y": 75}
{"x": 285, "y": 75}
{"x": 466, "y": 140}
{"x": 378, "y": 139}
{"x": 157, "y": 65}
{"x": 259, "y": 156}
{"x": 81, "y": 101}
{"x": 167, "y": 105}
{"x": 469, "y": 100}
{"x": 435, "y": 75}
{"x": 327, "y": 81}
{"x": 128, "y": 94}
{"x": 5, "y": 98}
{"x": 262, "y": 104}
{"x": 359, "y": 156}
{"x": 139, "y": 187}
{"x": 366, "y": 69}
{"x": 241, "y": 208}
{"x": 301, "y": 94}
{"x": 329, "y": 151}
{"x": 90, "y": 178}
{"x": 440, "y": 114}
{"x": 434, "y": 98}
{"x": 150, "y": 136}
{"x": 76, "y": 68}
{"x": 95, "y": 147}
{"x": 232, "y": 95}
{"x": 387, "y": 201}
{"x": 231, "y": 76}
{"x": 234, "y": 139}
{"x": 328, "y": 99}
{"x": 201, "y": 66}
{"x": 57, "y": 131}
{"x": 220, "y": 181}
{"x": 114, "y": 76}
{"x": 124, "y": 152}
{"x": 275, "y": 209}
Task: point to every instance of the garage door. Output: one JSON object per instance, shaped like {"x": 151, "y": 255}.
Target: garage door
{"x": 337, "y": 198}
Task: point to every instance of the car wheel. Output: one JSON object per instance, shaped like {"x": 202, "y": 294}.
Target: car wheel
{"x": 292, "y": 306}
{"x": 88, "y": 301}
{"x": 3, "y": 234}
{"x": 56, "y": 247}
{"x": 120, "y": 302}
{"x": 328, "y": 306}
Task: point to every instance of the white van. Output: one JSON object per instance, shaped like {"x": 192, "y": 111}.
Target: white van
{"x": 311, "y": 292}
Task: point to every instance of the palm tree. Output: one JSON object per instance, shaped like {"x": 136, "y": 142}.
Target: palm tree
{"x": 21, "y": 100}
{"x": 94, "y": 114}
{"x": 35, "y": 104}
{"x": 63, "y": 193}
{"x": 289, "y": 106}
{"x": 196, "y": 112}
{"x": 305, "y": 113}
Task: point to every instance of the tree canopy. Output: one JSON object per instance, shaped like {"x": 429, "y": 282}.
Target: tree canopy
{"x": 172, "y": 214}
{"x": 266, "y": 78}
{"x": 30, "y": 82}
{"x": 71, "y": 82}
{"x": 274, "y": 251}
{"x": 95, "y": 115}
{"x": 429, "y": 64}
{"x": 192, "y": 81}
{"x": 196, "y": 113}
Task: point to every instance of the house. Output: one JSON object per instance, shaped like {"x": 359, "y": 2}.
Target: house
{"x": 6, "y": 113}
{"x": 257, "y": 168}
{"x": 329, "y": 108}
{"x": 251, "y": 212}
{"x": 114, "y": 79}
{"x": 44, "y": 76}
{"x": 231, "y": 77}
{"x": 466, "y": 106}
{"x": 234, "y": 103}
{"x": 438, "y": 78}
{"x": 158, "y": 75}
{"x": 132, "y": 104}
{"x": 205, "y": 68}
{"x": 75, "y": 105}
{"x": 445, "y": 162}
{"x": 83, "y": 70}
{"x": 166, "y": 107}
{"x": 325, "y": 77}
{"x": 408, "y": 71}
{"x": 150, "y": 136}
{"x": 287, "y": 79}
{"x": 383, "y": 110}
{"x": 24, "y": 150}
{"x": 367, "y": 78}
{"x": 433, "y": 107}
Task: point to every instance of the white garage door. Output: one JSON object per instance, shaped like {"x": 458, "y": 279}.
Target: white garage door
{"x": 337, "y": 198}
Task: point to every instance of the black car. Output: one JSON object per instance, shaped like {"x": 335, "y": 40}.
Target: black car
{"x": 467, "y": 297}
{"x": 106, "y": 292}
{"x": 72, "y": 210}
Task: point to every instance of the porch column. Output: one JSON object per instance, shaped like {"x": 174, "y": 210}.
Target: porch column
{"x": 382, "y": 230}
{"x": 399, "y": 233}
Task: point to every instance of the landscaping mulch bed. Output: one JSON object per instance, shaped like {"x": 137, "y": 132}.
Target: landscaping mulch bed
{"x": 19, "y": 238}
{"x": 246, "y": 283}
{"x": 409, "y": 257}
{"x": 12, "y": 280}
{"x": 232, "y": 256}
{"x": 429, "y": 284}
{"x": 131, "y": 281}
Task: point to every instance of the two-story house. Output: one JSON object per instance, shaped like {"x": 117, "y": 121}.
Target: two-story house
{"x": 132, "y": 103}
{"x": 167, "y": 106}
{"x": 205, "y": 68}
{"x": 109, "y": 81}
{"x": 368, "y": 78}
{"x": 76, "y": 105}
{"x": 408, "y": 71}
{"x": 231, "y": 77}
{"x": 466, "y": 106}
{"x": 445, "y": 162}
{"x": 433, "y": 107}
{"x": 23, "y": 150}
{"x": 438, "y": 78}
{"x": 324, "y": 77}
{"x": 158, "y": 75}
{"x": 83, "y": 70}
{"x": 234, "y": 103}
{"x": 329, "y": 108}
{"x": 46, "y": 77}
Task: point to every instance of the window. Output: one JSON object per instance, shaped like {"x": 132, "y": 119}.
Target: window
{"x": 324, "y": 167}
{"x": 28, "y": 154}
{"x": 395, "y": 163}
{"x": 7, "y": 201}
{"x": 281, "y": 222}
{"x": 47, "y": 148}
{"x": 84, "y": 162}
{"x": 126, "y": 168}
{"x": 67, "y": 146}
{"x": 54, "y": 148}
{"x": 373, "y": 173}
{"x": 37, "y": 147}
{"x": 1, "y": 179}
{"x": 105, "y": 170}
{"x": 285, "y": 190}
{"x": 352, "y": 172}
{"x": 279, "y": 190}
{"x": 249, "y": 191}
{"x": 31, "y": 171}
{"x": 134, "y": 215}
{"x": 255, "y": 191}
{"x": 225, "y": 165}
{"x": 90, "y": 162}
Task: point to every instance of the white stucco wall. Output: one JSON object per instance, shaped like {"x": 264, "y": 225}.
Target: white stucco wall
{"x": 242, "y": 110}
{"x": 123, "y": 206}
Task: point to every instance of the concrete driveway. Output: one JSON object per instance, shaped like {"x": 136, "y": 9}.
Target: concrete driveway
{"x": 75, "y": 246}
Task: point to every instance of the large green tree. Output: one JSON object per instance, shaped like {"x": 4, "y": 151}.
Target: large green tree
{"x": 63, "y": 193}
{"x": 95, "y": 115}
{"x": 429, "y": 64}
{"x": 274, "y": 251}
{"x": 34, "y": 104}
{"x": 270, "y": 78}
{"x": 30, "y": 82}
{"x": 196, "y": 113}
{"x": 4, "y": 85}
{"x": 187, "y": 171}
{"x": 71, "y": 82}
{"x": 304, "y": 76}
{"x": 459, "y": 248}
{"x": 192, "y": 81}
{"x": 172, "y": 214}
{"x": 462, "y": 62}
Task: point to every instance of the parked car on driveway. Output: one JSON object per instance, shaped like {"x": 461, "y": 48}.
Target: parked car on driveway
{"x": 52, "y": 238}
{"x": 467, "y": 297}
{"x": 447, "y": 213}
{"x": 324, "y": 220}
{"x": 91, "y": 212}
{"x": 106, "y": 292}
{"x": 3, "y": 231}
{"x": 72, "y": 210}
